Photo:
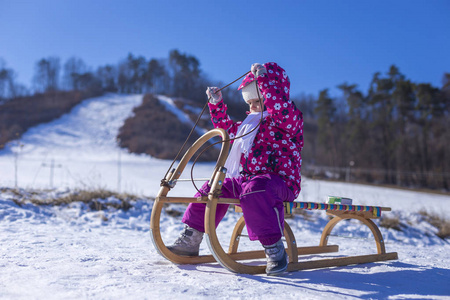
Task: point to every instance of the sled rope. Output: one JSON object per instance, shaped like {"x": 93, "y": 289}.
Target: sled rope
{"x": 163, "y": 181}
{"x": 195, "y": 125}
{"x": 231, "y": 139}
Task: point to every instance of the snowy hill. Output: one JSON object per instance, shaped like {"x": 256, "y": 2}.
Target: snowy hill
{"x": 83, "y": 150}
{"x": 72, "y": 251}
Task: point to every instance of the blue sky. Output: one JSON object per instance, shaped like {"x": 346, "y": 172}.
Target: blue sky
{"x": 321, "y": 44}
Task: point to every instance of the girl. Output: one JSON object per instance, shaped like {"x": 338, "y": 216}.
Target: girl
{"x": 263, "y": 167}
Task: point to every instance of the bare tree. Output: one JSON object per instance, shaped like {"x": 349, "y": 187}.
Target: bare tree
{"x": 155, "y": 76}
{"x": 8, "y": 87}
{"x": 46, "y": 76}
{"x": 108, "y": 78}
{"x": 74, "y": 68}
{"x": 186, "y": 74}
{"x": 4, "y": 78}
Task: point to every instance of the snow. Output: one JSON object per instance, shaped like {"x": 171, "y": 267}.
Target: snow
{"x": 72, "y": 251}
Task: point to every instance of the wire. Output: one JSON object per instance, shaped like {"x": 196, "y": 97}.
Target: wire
{"x": 231, "y": 139}
{"x": 195, "y": 125}
{"x": 219, "y": 142}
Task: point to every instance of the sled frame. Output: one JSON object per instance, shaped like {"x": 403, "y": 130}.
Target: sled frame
{"x": 230, "y": 259}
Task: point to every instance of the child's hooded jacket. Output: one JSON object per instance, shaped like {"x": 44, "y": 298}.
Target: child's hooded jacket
{"x": 277, "y": 146}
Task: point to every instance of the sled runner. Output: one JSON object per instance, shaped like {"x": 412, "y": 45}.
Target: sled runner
{"x": 232, "y": 259}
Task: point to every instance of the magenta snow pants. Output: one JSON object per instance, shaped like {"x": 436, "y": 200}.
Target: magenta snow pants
{"x": 261, "y": 200}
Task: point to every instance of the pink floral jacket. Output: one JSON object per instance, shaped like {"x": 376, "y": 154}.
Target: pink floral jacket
{"x": 279, "y": 141}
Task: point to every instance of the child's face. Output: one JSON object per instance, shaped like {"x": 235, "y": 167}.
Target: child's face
{"x": 255, "y": 105}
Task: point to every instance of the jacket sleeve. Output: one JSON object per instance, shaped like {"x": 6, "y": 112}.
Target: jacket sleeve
{"x": 274, "y": 86}
{"x": 221, "y": 119}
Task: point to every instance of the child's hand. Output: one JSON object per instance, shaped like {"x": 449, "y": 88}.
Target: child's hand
{"x": 258, "y": 69}
{"x": 214, "y": 95}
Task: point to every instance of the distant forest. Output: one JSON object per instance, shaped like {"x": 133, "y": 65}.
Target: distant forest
{"x": 396, "y": 132}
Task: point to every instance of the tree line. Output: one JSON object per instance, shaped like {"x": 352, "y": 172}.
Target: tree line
{"x": 177, "y": 75}
{"x": 396, "y": 132}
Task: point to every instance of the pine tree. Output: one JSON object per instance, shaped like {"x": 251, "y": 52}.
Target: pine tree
{"x": 325, "y": 111}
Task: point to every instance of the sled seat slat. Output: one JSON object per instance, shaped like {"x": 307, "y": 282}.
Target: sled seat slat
{"x": 368, "y": 211}
{"x": 374, "y": 210}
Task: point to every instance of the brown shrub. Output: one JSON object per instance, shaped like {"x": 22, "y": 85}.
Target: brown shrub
{"x": 90, "y": 197}
{"x": 388, "y": 222}
{"x": 440, "y": 223}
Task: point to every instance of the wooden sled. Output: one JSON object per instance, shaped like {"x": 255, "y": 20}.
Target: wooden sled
{"x": 230, "y": 259}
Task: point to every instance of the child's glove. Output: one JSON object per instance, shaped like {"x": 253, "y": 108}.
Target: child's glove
{"x": 214, "y": 95}
{"x": 258, "y": 69}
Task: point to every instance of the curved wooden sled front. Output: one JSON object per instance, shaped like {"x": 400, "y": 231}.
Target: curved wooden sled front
{"x": 170, "y": 181}
{"x": 230, "y": 259}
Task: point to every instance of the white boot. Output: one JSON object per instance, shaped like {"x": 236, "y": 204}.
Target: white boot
{"x": 277, "y": 259}
{"x": 188, "y": 243}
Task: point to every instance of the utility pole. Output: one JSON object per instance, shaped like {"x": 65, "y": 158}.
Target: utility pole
{"x": 119, "y": 172}
{"x": 52, "y": 166}
{"x": 349, "y": 168}
{"x": 119, "y": 166}
{"x": 16, "y": 162}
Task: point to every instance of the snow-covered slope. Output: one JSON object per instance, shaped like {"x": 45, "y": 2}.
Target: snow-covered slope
{"x": 73, "y": 252}
{"x": 80, "y": 150}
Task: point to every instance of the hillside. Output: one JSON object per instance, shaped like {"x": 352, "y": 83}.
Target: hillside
{"x": 154, "y": 128}
{"x": 160, "y": 125}
{"x": 22, "y": 113}
{"x": 80, "y": 149}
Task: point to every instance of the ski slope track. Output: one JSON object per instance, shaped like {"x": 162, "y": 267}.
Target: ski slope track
{"x": 74, "y": 252}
